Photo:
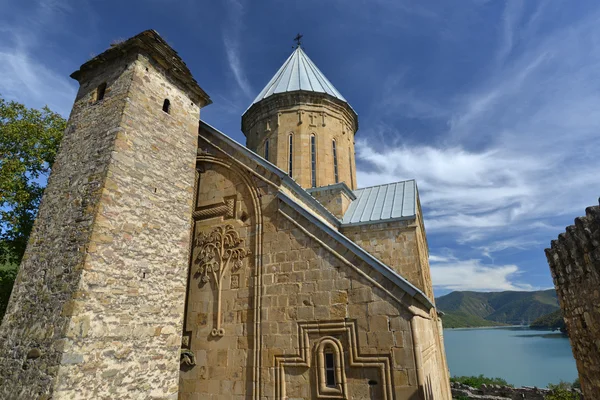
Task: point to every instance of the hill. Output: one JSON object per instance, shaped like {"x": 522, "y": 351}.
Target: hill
{"x": 552, "y": 321}
{"x": 472, "y": 309}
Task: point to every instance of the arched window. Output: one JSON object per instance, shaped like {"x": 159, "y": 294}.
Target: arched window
{"x": 100, "y": 92}
{"x": 167, "y": 106}
{"x": 291, "y": 156}
{"x": 330, "y": 368}
{"x": 267, "y": 149}
{"x": 313, "y": 160}
{"x": 335, "y": 164}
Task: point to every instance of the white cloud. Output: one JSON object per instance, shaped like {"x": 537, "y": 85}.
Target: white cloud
{"x": 454, "y": 274}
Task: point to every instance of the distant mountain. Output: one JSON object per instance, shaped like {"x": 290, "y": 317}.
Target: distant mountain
{"x": 552, "y": 321}
{"x": 471, "y": 309}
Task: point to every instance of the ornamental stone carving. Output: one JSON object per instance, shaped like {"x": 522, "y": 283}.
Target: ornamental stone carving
{"x": 219, "y": 252}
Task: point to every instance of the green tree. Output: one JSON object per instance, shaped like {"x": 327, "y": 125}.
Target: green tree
{"x": 29, "y": 141}
{"x": 561, "y": 391}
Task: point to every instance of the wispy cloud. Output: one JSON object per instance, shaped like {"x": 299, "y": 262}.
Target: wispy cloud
{"x": 519, "y": 148}
{"x": 24, "y": 77}
{"x": 26, "y": 80}
{"x": 517, "y": 242}
{"x": 231, "y": 40}
{"x": 513, "y": 10}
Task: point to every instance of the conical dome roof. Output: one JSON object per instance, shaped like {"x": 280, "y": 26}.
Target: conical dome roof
{"x": 298, "y": 73}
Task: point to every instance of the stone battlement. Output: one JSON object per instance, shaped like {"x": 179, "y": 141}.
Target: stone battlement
{"x": 574, "y": 260}
{"x": 497, "y": 392}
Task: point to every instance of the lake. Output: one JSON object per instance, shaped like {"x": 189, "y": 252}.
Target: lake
{"x": 521, "y": 356}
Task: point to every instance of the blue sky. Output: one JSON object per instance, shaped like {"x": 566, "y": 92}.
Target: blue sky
{"x": 492, "y": 106}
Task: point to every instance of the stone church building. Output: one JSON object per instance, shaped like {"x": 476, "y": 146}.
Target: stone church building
{"x": 170, "y": 262}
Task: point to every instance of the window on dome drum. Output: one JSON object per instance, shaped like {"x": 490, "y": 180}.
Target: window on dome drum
{"x": 100, "y": 92}
{"x": 167, "y": 106}
{"x": 350, "y": 159}
{"x": 291, "y": 157}
{"x": 335, "y": 165}
{"x": 330, "y": 369}
{"x": 267, "y": 149}
{"x": 313, "y": 160}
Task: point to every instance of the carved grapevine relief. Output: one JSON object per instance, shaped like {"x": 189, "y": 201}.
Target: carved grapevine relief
{"x": 219, "y": 251}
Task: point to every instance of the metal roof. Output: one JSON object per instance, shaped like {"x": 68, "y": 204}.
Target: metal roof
{"x": 298, "y": 72}
{"x": 382, "y": 203}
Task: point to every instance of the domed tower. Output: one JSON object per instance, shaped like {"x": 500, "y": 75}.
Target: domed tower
{"x": 302, "y": 124}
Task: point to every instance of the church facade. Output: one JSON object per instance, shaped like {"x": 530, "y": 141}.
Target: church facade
{"x": 169, "y": 261}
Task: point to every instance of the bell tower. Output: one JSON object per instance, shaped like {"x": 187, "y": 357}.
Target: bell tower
{"x": 303, "y": 125}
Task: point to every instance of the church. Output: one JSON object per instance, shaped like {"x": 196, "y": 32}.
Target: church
{"x": 168, "y": 261}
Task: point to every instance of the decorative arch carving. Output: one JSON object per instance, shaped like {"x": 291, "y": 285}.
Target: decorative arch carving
{"x": 324, "y": 331}
{"x": 322, "y": 347}
{"x": 218, "y": 251}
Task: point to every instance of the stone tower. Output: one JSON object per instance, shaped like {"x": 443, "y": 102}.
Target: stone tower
{"x": 97, "y": 307}
{"x": 302, "y": 124}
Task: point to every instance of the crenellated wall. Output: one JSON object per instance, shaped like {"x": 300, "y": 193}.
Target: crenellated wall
{"x": 574, "y": 260}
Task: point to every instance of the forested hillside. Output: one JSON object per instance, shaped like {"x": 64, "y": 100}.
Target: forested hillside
{"x": 553, "y": 321}
{"x": 471, "y": 309}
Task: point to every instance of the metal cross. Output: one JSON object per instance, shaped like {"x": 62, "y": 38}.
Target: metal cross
{"x": 298, "y": 38}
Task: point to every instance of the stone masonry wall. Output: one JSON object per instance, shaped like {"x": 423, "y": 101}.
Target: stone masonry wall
{"x": 98, "y": 304}
{"x": 334, "y": 198}
{"x": 574, "y": 260}
{"x": 395, "y": 244}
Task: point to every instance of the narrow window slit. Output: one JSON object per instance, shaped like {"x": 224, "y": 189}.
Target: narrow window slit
{"x": 167, "y": 106}
{"x": 313, "y": 160}
{"x": 100, "y": 92}
{"x": 335, "y": 164}
{"x": 291, "y": 157}
{"x": 267, "y": 149}
{"x": 351, "y": 172}
{"x": 330, "y": 370}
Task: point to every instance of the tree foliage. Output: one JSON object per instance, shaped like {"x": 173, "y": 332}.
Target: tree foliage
{"x": 29, "y": 141}
{"x": 562, "y": 391}
{"x": 477, "y": 381}
{"x": 8, "y": 273}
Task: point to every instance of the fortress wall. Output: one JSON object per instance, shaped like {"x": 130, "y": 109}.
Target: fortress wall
{"x": 574, "y": 260}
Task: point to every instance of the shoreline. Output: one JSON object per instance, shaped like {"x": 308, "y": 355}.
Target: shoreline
{"x": 491, "y": 327}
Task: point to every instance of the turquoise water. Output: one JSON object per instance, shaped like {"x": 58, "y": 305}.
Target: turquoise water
{"x": 521, "y": 356}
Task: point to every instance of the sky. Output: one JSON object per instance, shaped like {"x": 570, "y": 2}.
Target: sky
{"x": 492, "y": 106}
